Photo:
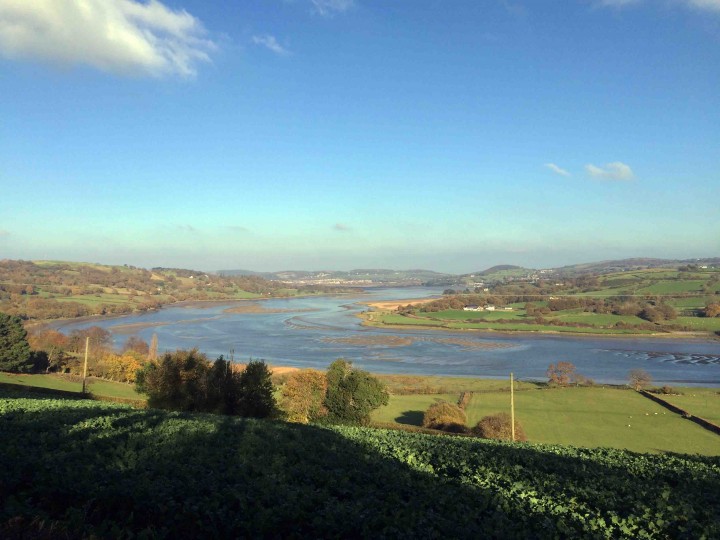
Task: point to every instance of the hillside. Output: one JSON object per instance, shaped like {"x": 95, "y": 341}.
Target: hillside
{"x": 80, "y": 468}
{"x": 57, "y": 289}
{"x": 359, "y": 277}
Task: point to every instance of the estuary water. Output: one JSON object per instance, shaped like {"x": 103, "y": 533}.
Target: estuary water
{"x": 314, "y": 331}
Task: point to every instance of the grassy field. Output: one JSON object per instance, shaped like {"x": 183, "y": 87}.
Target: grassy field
{"x": 98, "y": 387}
{"x": 702, "y": 402}
{"x": 588, "y": 417}
{"x": 432, "y": 384}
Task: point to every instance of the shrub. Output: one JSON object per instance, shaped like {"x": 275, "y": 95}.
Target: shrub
{"x": 15, "y": 354}
{"x": 446, "y": 417}
{"x": 499, "y": 426}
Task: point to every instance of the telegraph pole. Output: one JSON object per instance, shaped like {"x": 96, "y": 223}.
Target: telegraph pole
{"x": 87, "y": 346}
{"x": 512, "y": 406}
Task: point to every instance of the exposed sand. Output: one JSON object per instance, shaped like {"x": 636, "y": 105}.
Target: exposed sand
{"x": 370, "y": 340}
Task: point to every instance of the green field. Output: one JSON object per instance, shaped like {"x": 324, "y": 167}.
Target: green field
{"x": 81, "y": 469}
{"x": 589, "y": 417}
{"x": 98, "y": 387}
{"x": 702, "y": 402}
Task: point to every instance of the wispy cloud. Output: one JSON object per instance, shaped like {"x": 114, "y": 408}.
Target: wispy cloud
{"x": 4, "y": 233}
{"x": 327, "y": 8}
{"x": 271, "y": 43}
{"x": 558, "y": 170}
{"x": 125, "y": 37}
{"x": 612, "y": 171}
{"x": 708, "y": 5}
{"x": 237, "y": 229}
{"x": 617, "y": 3}
{"x": 341, "y": 227}
{"x": 186, "y": 228}
{"x": 711, "y": 5}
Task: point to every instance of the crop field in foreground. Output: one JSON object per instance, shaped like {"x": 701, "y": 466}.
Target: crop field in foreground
{"x": 79, "y": 468}
{"x": 590, "y": 417}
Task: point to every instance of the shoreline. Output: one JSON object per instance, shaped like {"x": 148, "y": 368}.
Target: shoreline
{"x": 687, "y": 336}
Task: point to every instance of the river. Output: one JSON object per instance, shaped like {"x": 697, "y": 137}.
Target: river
{"x": 314, "y": 331}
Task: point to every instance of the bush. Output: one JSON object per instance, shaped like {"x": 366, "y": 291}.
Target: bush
{"x": 499, "y": 426}
{"x": 446, "y": 417}
{"x": 15, "y": 354}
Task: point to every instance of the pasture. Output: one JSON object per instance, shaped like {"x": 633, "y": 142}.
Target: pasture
{"x": 581, "y": 416}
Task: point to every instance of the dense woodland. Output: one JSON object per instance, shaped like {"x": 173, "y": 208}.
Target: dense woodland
{"x": 51, "y": 290}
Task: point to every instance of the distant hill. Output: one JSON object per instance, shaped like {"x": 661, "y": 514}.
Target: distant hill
{"x": 358, "y": 276}
{"x": 638, "y": 263}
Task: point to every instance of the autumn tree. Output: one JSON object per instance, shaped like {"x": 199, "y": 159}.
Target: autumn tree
{"x": 54, "y": 344}
{"x": 303, "y": 395}
{"x": 639, "y": 379}
{"x": 352, "y": 394}
{"x": 136, "y": 344}
{"x": 560, "y": 374}
{"x": 712, "y": 310}
{"x": 15, "y": 354}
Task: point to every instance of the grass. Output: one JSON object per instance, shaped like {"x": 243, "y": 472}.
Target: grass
{"x": 435, "y": 384}
{"x": 98, "y": 387}
{"x": 702, "y": 402}
{"x": 588, "y": 417}
{"x": 673, "y": 287}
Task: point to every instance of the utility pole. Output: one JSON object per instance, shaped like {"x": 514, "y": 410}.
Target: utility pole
{"x": 87, "y": 346}
{"x": 512, "y": 406}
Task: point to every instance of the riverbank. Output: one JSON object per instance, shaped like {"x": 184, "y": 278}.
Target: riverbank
{"x": 372, "y": 318}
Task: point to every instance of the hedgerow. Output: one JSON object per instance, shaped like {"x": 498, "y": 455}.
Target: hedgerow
{"x": 77, "y": 468}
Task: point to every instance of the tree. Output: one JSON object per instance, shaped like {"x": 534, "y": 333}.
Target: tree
{"x": 352, "y": 394}
{"x": 177, "y": 381}
{"x": 303, "y": 395}
{"x": 499, "y": 426}
{"x": 15, "y": 354}
{"x": 136, "y": 344}
{"x": 446, "y": 417}
{"x": 639, "y": 379}
{"x": 257, "y": 398}
{"x": 712, "y": 310}
{"x": 153, "y": 352}
{"x": 561, "y": 373}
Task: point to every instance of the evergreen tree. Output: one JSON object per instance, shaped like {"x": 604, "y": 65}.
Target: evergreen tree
{"x": 15, "y": 354}
{"x": 257, "y": 397}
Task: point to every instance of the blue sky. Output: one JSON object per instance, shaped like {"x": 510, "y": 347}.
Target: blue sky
{"x": 338, "y": 134}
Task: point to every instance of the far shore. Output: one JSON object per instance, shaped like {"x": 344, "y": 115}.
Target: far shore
{"x": 389, "y": 306}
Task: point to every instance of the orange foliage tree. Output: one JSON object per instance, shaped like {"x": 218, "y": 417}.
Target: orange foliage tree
{"x": 303, "y": 395}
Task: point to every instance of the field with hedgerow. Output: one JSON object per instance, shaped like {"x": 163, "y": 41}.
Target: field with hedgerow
{"x": 78, "y": 468}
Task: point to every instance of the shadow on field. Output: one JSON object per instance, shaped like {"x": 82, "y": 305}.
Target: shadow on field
{"x": 411, "y": 418}
{"x": 75, "y": 469}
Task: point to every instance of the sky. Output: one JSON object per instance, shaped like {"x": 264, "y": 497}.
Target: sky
{"x": 451, "y": 135}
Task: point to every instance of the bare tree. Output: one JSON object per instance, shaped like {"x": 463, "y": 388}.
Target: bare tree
{"x": 639, "y": 379}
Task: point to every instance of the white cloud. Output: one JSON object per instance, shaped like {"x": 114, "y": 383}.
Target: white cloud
{"x": 559, "y": 170}
{"x": 712, "y": 5}
{"x": 271, "y": 43}
{"x": 4, "y": 233}
{"x": 119, "y": 36}
{"x": 612, "y": 171}
{"x": 327, "y": 8}
{"x": 341, "y": 227}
